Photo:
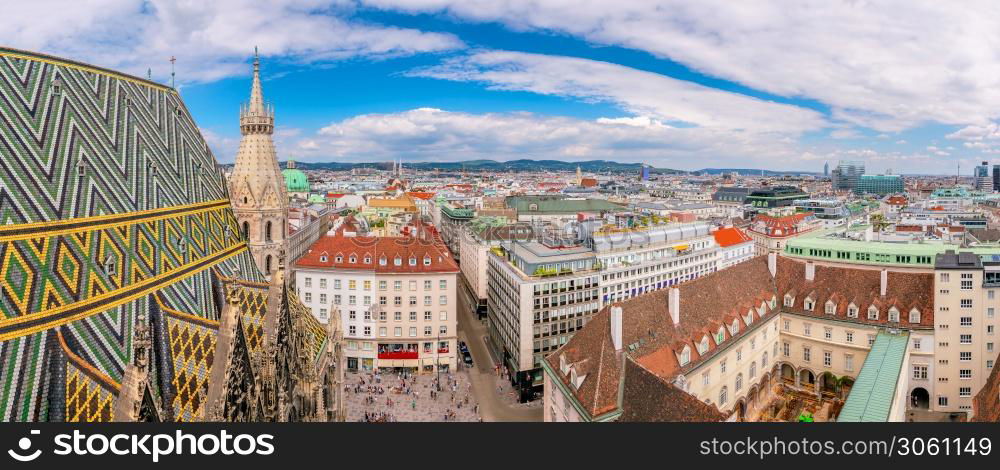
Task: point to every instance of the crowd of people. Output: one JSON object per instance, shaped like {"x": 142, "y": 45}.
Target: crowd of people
{"x": 385, "y": 396}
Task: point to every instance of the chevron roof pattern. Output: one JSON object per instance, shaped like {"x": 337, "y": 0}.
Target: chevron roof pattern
{"x": 111, "y": 205}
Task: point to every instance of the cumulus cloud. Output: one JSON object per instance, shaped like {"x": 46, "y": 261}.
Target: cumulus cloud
{"x": 211, "y": 39}
{"x": 428, "y": 134}
{"x": 639, "y": 92}
{"x": 887, "y": 65}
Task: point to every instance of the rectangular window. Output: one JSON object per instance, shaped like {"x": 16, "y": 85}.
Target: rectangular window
{"x": 965, "y": 391}
{"x": 965, "y": 339}
{"x": 920, "y": 372}
{"x": 849, "y": 336}
{"x": 965, "y": 321}
{"x": 827, "y": 358}
{"x": 942, "y": 400}
{"x": 965, "y": 356}
{"x": 322, "y": 283}
{"x": 966, "y": 303}
{"x": 309, "y": 282}
{"x": 965, "y": 373}
{"x": 806, "y": 353}
{"x": 849, "y": 362}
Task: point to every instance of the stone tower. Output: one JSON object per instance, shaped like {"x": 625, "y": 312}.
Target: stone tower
{"x": 257, "y": 187}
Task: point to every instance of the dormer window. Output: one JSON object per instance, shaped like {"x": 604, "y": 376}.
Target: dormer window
{"x": 703, "y": 345}
{"x": 413, "y": 261}
{"x": 368, "y": 260}
{"x": 808, "y": 305}
{"x": 339, "y": 259}
{"x": 915, "y": 316}
{"x": 353, "y": 259}
{"x": 789, "y": 301}
{"x": 720, "y": 336}
{"x": 398, "y": 261}
{"x": 563, "y": 364}
{"x": 685, "y": 356}
{"x": 749, "y": 318}
{"x": 323, "y": 257}
{"x": 831, "y": 308}
{"x": 427, "y": 260}
{"x": 893, "y": 315}
{"x": 735, "y": 328}
{"x": 872, "y": 313}
{"x": 382, "y": 260}
{"x": 852, "y": 311}
{"x": 110, "y": 266}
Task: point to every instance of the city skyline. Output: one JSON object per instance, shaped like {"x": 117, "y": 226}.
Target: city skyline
{"x": 374, "y": 80}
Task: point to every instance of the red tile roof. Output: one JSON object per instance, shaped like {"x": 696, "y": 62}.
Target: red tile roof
{"x": 730, "y": 236}
{"x": 381, "y": 254}
{"x": 720, "y": 299}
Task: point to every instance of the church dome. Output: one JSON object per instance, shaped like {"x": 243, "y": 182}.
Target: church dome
{"x": 296, "y": 181}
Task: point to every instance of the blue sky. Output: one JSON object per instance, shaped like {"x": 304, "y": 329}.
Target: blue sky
{"x": 912, "y": 87}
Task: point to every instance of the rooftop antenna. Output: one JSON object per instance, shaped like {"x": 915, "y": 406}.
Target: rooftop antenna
{"x": 149, "y": 74}
{"x": 173, "y": 75}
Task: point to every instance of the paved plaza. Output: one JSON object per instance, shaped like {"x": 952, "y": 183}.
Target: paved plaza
{"x": 390, "y": 397}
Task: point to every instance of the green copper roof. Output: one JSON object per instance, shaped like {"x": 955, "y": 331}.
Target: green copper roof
{"x": 296, "y": 181}
{"x": 871, "y": 396}
{"x": 820, "y": 247}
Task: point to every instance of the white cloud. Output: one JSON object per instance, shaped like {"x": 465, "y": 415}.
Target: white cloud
{"x": 639, "y": 92}
{"x": 428, "y": 134}
{"x": 211, "y": 39}
{"x": 887, "y": 65}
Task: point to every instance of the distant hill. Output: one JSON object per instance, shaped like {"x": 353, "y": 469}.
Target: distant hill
{"x": 752, "y": 171}
{"x": 592, "y": 166}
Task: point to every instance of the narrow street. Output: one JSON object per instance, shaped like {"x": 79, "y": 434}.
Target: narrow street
{"x": 493, "y": 406}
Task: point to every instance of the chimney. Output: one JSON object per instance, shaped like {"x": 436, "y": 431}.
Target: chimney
{"x": 674, "y": 305}
{"x": 884, "y": 281}
{"x": 616, "y": 327}
{"x": 810, "y": 271}
{"x": 772, "y": 263}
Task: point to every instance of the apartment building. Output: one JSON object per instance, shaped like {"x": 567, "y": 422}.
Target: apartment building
{"x": 729, "y": 338}
{"x": 538, "y": 296}
{"x": 476, "y": 244}
{"x": 396, "y": 297}
{"x": 965, "y": 328}
{"x": 637, "y": 261}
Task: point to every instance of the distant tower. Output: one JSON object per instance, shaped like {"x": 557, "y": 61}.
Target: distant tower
{"x": 257, "y": 187}
{"x": 579, "y": 176}
{"x": 826, "y": 169}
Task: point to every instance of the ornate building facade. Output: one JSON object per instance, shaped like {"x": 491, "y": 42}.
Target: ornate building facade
{"x": 257, "y": 186}
{"x": 129, "y": 292}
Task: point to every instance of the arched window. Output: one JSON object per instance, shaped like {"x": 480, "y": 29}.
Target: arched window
{"x": 267, "y": 231}
{"x": 763, "y": 359}
{"x": 723, "y": 396}
{"x": 267, "y": 265}
{"x": 753, "y": 369}
{"x": 739, "y": 382}
{"x": 246, "y": 230}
